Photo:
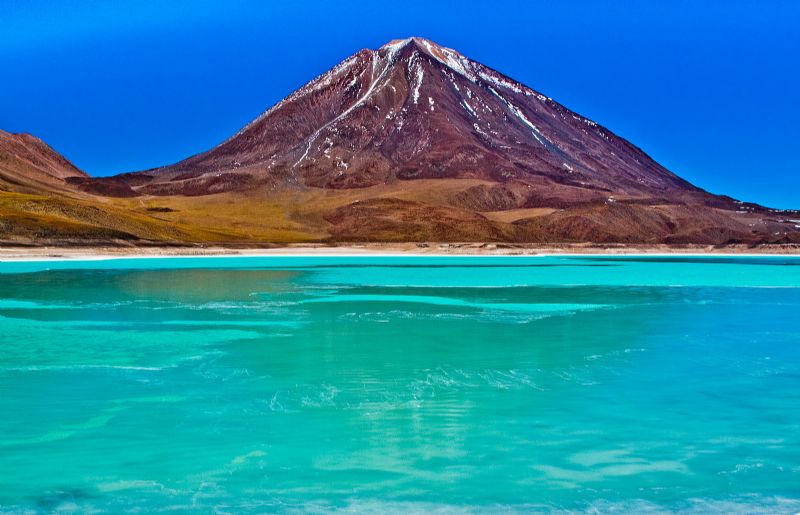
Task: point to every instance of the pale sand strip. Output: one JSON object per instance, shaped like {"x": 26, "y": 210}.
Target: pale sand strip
{"x": 386, "y": 249}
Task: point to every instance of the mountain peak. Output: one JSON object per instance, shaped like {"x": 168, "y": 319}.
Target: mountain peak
{"x": 420, "y": 42}
{"x": 416, "y": 109}
{"x": 447, "y": 56}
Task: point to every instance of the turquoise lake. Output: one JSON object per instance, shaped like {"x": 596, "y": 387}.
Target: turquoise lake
{"x": 401, "y": 384}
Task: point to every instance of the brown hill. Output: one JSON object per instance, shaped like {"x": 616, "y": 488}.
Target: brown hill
{"x": 39, "y": 203}
{"x": 28, "y": 165}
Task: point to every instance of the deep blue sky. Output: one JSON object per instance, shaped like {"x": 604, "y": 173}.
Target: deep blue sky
{"x": 708, "y": 88}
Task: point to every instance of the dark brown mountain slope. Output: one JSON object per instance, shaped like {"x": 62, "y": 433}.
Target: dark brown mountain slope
{"x": 410, "y": 110}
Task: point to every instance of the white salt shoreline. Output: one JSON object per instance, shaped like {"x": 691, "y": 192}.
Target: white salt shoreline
{"x": 38, "y": 254}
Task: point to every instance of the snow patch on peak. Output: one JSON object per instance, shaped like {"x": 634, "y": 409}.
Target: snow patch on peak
{"x": 500, "y": 81}
{"x": 395, "y": 44}
{"x": 415, "y": 70}
{"x": 448, "y": 57}
{"x": 469, "y": 108}
{"x": 521, "y": 116}
{"x": 393, "y": 47}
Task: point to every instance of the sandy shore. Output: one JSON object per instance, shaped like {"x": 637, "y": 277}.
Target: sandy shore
{"x": 466, "y": 249}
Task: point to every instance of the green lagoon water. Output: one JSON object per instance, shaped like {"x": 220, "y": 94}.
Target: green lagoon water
{"x": 401, "y": 384}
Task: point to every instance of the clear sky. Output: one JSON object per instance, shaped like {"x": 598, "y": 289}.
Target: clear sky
{"x": 710, "y": 89}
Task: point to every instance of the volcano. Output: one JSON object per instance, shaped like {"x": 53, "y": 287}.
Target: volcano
{"x": 414, "y": 141}
{"x": 416, "y": 110}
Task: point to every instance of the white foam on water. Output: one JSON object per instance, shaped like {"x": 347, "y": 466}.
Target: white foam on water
{"x": 448, "y": 301}
{"x": 135, "y": 484}
{"x": 49, "y": 368}
{"x": 25, "y": 304}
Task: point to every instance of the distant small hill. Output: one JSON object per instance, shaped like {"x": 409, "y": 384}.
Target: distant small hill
{"x": 40, "y": 204}
{"x": 28, "y": 165}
